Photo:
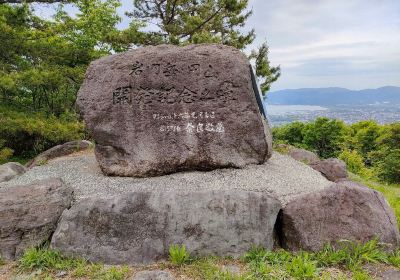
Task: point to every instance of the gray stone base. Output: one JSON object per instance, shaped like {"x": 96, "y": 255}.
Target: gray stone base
{"x": 139, "y": 227}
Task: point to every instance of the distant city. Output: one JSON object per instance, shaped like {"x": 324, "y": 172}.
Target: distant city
{"x": 381, "y": 105}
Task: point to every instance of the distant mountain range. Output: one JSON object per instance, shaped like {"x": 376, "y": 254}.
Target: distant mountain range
{"x": 334, "y": 96}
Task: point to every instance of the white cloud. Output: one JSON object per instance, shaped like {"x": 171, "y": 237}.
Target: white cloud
{"x": 347, "y": 43}
{"x": 318, "y": 43}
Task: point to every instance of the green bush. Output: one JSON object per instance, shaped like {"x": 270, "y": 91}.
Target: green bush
{"x": 325, "y": 137}
{"x": 349, "y": 256}
{"x": 45, "y": 259}
{"x": 363, "y": 137}
{"x": 178, "y": 254}
{"x": 302, "y": 267}
{"x": 5, "y": 153}
{"x": 369, "y": 149}
{"x": 389, "y": 167}
{"x": 25, "y": 135}
{"x": 353, "y": 160}
{"x": 292, "y": 133}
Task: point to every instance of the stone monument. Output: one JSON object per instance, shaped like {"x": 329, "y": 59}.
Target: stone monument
{"x": 163, "y": 109}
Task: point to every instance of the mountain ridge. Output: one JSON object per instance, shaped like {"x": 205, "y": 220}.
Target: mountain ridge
{"x": 332, "y": 96}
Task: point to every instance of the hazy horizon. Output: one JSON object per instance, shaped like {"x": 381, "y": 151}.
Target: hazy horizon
{"x": 374, "y": 88}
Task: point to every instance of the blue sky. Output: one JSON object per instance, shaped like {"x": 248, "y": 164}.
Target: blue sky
{"x": 321, "y": 43}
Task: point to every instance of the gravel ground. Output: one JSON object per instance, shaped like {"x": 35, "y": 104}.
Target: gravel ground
{"x": 282, "y": 177}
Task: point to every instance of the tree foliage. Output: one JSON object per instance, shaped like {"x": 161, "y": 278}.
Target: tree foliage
{"x": 204, "y": 21}
{"x": 368, "y": 148}
{"x": 264, "y": 70}
{"x": 25, "y": 134}
{"x": 196, "y": 21}
{"x": 31, "y": 1}
{"x": 42, "y": 62}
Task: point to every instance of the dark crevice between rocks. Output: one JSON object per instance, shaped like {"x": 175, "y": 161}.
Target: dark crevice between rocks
{"x": 278, "y": 231}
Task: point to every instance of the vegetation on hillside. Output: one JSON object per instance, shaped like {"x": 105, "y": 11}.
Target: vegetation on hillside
{"x": 369, "y": 149}
{"x": 23, "y": 135}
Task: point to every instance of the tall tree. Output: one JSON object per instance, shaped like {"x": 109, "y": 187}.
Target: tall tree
{"x": 42, "y": 62}
{"x": 267, "y": 73}
{"x": 203, "y": 21}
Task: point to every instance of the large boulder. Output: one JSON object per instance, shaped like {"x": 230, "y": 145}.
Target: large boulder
{"x": 332, "y": 168}
{"x": 29, "y": 214}
{"x": 10, "y": 170}
{"x": 60, "y": 150}
{"x": 345, "y": 211}
{"x": 162, "y": 109}
{"x": 302, "y": 155}
{"x": 139, "y": 227}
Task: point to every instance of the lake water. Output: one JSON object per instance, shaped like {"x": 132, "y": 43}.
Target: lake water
{"x": 277, "y": 110}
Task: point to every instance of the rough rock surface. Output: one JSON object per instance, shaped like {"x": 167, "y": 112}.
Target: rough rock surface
{"x": 29, "y": 214}
{"x": 303, "y": 155}
{"x": 139, "y": 227}
{"x": 281, "y": 177}
{"x": 391, "y": 275}
{"x": 332, "y": 168}
{"x": 10, "y": 170}
{"x": 153, "y": 275}
{"x": 60, "y": 150}
{"x": 162, "y": 109}
{"x": 345, "y": 211}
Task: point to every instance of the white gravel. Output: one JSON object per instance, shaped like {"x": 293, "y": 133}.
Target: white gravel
{"x": 282, "y": 177}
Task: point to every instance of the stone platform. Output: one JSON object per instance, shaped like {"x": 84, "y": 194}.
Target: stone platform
{"x": 122, "y": 220}
{"x": 281, "y": 177}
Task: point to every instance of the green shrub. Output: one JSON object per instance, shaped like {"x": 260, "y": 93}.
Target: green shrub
{"x": 361, "y": 275}
{"x": 255, "y": 254}
{"x": 302, "y": 267}
{"x": 28, "y": 134}
{"x": 47, "y": 259}
{"x": 394, "y": 259}
{"x": 292, "y": 133}
{"x": 5, "y": 154}
{"x": 369, "y": 149}
{"x": 347, "y": 255}
{"x": 325, "y": 137}
{"x": 210, "y": 269}
{"x": 259, "y": 254}
{"x": 116, "y": 273}
{"x": 178, "y": 254}
{"x": 389, "y": 167}
{"x": 262, "y": 270}
{"x": 353, "y": 160}
{"x": 363, "y": 137}
{"x": 352, "y": 255}
{"x": 329, "y": 256}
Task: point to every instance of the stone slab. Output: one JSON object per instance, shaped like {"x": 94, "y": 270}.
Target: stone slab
{"x": 139, "y": 227}
{"x": 162, "y": 109}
